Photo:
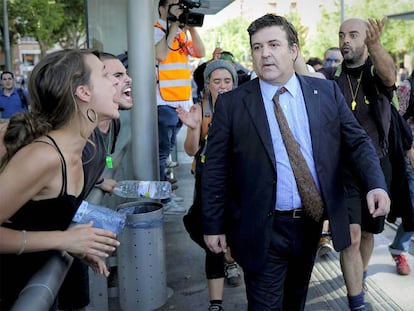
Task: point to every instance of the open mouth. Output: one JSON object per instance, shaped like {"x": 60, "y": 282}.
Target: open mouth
{"x": 127, "y": 92}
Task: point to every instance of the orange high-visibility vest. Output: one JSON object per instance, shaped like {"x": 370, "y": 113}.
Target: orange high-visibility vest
{"x": 174, "y": 75}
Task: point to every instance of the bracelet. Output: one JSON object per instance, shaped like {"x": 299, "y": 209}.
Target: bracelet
{"x": 100, "y": 183}
{"x": 24, "y": 241}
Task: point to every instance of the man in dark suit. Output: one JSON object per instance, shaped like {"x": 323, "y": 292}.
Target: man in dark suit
{"x": 249, "y": 192}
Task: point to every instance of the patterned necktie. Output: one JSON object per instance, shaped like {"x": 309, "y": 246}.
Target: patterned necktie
{"x": 311, "y": 199}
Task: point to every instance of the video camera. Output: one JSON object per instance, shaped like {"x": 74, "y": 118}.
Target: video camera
{"x": 188, "y": 18}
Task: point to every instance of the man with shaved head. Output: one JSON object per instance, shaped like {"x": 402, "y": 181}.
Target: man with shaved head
{"x": 366, "y": 79}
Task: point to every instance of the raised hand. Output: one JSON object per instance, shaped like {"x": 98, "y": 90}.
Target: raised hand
{"x": 374, "y": 31}
{"x": 191, "y": 118}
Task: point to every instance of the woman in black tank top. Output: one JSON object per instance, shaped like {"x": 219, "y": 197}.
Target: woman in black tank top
{"x": 41, "y": 174}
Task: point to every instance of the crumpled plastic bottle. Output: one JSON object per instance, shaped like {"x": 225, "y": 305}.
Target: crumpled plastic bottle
{"x": 143, "y": 189}
{"x": 103, "y": 217}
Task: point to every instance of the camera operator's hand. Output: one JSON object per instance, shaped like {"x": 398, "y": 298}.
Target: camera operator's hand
{"x": 175, "y": 10}
{"x": 185, "y": 27}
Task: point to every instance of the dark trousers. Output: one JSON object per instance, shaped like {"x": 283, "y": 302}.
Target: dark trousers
{"x": 282, "y": 283}
{"x": 168, "y": 127}
{"x": 214, "y": 263}
{"x": 74, "y": 292}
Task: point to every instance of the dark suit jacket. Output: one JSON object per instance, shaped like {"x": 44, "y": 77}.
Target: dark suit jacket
{"x": 400, "y": 140}
{"x": 239, "y": 175}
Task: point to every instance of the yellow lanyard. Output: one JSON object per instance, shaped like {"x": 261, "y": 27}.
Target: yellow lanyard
{"x": 354, "y": 95}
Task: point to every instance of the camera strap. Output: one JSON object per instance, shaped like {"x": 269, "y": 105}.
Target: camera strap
{"x": 181, "y": 44}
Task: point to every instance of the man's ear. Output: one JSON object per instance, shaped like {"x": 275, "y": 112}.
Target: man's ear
{"x": 294, "y": 51}
{"x": 83, "y": 93}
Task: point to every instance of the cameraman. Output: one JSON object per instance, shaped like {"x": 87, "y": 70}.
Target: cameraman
{"x": 172, "y": 47}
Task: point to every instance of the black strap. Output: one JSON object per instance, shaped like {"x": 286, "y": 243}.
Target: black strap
{"x": 411, "y": 79}
{"x": 410, "y": 109}
{"x": 23, "y": 99}
{"x": 63, "y": 190}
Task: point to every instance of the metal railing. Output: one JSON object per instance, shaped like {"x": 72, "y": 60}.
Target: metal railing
{"x": 40, "y": 292}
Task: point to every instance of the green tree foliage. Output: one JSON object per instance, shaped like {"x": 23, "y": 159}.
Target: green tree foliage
{"x": 12, "y": 30}
{"x": 327, "y": 34}
{"x": 302, "y": 30}
{"x": 233, "y": 36}
{"x": 49, "y": 22}
{"x": 40, "y": 19}
{"x": 73, "y": 29}
{"x": 397, "y": 37}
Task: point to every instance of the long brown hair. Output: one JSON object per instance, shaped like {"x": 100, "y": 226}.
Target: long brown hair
{"x": 51, "y": 87}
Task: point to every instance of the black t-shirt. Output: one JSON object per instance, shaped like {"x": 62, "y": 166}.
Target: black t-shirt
{"x": 368, "y": 98}
{"x": 93, "y": 158}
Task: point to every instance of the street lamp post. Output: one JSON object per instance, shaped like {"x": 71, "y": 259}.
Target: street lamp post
{"x": 6, "y": 39}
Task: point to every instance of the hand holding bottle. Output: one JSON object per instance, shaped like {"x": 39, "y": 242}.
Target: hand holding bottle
{"x": 101, "y": 216}
{"x": 85, "y": 240}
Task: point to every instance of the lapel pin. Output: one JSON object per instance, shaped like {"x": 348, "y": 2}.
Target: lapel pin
{"x": 315, "y": 92}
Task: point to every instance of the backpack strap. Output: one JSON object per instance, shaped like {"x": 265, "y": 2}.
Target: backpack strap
{"x": 410, "y": 109}
{"x": 23, "y": 99}
{"x": 411, "y": 79}
{"x": 338, "y": 72}
{"x": 207, "y": 115}
{"x": 394, "y": 99}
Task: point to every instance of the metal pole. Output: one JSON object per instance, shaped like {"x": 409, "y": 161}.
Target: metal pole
{"x": 6, "y": 39}
{"x": 88, "y": 43}
{"x": 342, "y": 11}
{"x": 141, "y": 66}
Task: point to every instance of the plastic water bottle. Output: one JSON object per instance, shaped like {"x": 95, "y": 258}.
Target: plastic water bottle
{"x": 103, "y": 217}
{"x": 143, "y": 189}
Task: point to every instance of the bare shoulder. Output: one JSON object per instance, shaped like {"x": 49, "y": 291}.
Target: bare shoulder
{"x": 46, "y": 150}
{"x": 32, "y": 171}
{"x": 36, "y": 158}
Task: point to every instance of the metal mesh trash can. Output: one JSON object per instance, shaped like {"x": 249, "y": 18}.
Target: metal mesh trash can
{"x": 141, "y": 257}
